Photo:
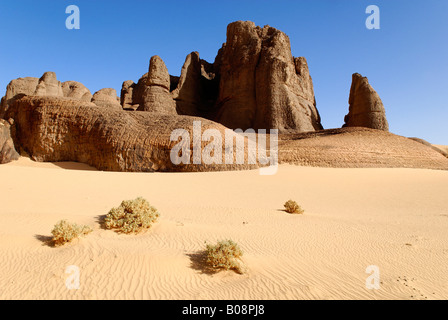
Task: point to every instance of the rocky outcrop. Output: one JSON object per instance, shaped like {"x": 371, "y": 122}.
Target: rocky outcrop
{"x": 262, "y": 86}
{"x": 76, "y": 90}
{"x": 132, "y": 93}
{"x": 365, "y": 106}
{"x": 156, "y": 94}
{"x": 26, "y": 86}
{"x": 17, "y": 87}
{"x": 61, "y": 129}
{"x": 255, "y": 82}
{"x": 126, "y": 97}
{"x": 49, "y": 86}
{"x": 107, "y": 98}
{"x": 46, "y": 86}
{"x": 357, "y": 147}
{"x": 7, "y": 151}
{"x": 197, "y": 88}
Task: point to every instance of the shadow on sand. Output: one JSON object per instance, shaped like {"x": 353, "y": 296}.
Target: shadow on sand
{"x": 198, "y": 262}
{"x": 46, "y": 240}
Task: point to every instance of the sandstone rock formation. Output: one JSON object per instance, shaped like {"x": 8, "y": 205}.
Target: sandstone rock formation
{"x": 46, "y": 86}
{"x": 156, "y": 94}
{"x": 61, "y": 129}
{"x": 76, "y": 90}
{"x": 262, "y": 86}
{"x": 49, "y": 86}
{"x": 126, "y": 97}
{"x": 16, "y": 88}
{"x": 357, "y": 147}
{"x": 107, "y": 98}
{"x": 255, "y": 82}
{"x": 7, "y": 151}
{"x": 366, "y": 108}
{"x": 132, "y": 93}
{"x": 197, "y": 88}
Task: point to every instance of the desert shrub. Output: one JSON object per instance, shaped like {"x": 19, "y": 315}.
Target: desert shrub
{"x": 224, "y": 255}
{"x": 293, "y": 207}
{"x": 64, "y": 232}
{"x": 132, "y": 216}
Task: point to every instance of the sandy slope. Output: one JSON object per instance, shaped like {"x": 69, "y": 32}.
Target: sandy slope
{"x": 393, "y": 218}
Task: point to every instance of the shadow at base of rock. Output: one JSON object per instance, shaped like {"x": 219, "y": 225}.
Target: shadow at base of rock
{"x": 46, "y": 240}
{"x": 198, "y": 262}
{"x": 74, "y": 166}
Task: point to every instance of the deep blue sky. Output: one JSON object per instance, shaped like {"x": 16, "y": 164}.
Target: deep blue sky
{"x": 406, "y": 61}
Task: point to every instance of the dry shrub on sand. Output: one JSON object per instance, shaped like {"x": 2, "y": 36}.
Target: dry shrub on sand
{"x": 225, "y": 255}
{"x": 293, "y": 207}
{"x": 64, "y": 232}
{"x": 132, "y": 216}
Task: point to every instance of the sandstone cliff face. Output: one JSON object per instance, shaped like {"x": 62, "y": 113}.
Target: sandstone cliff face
{"x": 262, "y": 86}
{"x": 366, "y": 108}
{"x": 156, "y": 94}
{"x": 197, "y": 88}
{"x": 107, "y": 98}
{"x": 7, "y": 151}
{"x": 61, "y": 129}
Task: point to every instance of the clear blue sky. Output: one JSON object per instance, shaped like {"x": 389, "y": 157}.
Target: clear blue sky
{"x": 406, "y": 61}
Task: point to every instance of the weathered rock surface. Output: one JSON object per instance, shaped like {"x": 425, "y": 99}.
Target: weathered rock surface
{"x": 126, "y": 97}
{"x": 262, "y": 86}
{"x": 76, "y": 90}
{"x": 197, "y": 88}
{"x": 156, "y": 94}
{"x": 7, "y": 151}
{"x": 107, "y": 98}
{"x": 49, "y": 86}
{"x": 132, "y": 93}
{"x": 17, "y": 87}
{"x": 365, "y": 106}
{"x": 61, "y": 129}
{"x": 357, "y": 147}
{"x": 46, "y": 86}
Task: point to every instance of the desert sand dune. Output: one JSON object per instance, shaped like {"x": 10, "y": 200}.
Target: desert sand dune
{"x": 395, "y": 219}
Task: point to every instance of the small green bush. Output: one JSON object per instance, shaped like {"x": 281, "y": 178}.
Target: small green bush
{"x": 224, "y": 255}
{"x": 132, "y": 216}
{"x": 293, "y": 207}
{"x": 64, "y": 232}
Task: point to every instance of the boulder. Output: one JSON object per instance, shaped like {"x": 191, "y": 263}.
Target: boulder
{"x": 107, "y": 98}
{"x": 7, "y": 151}
{"x": 62, "y": 129}
{"x": 156, "y": 95}
{"x": 262, "y": 86}
{"x": 76, "y": 90}
{"x": 365, "y": 106}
